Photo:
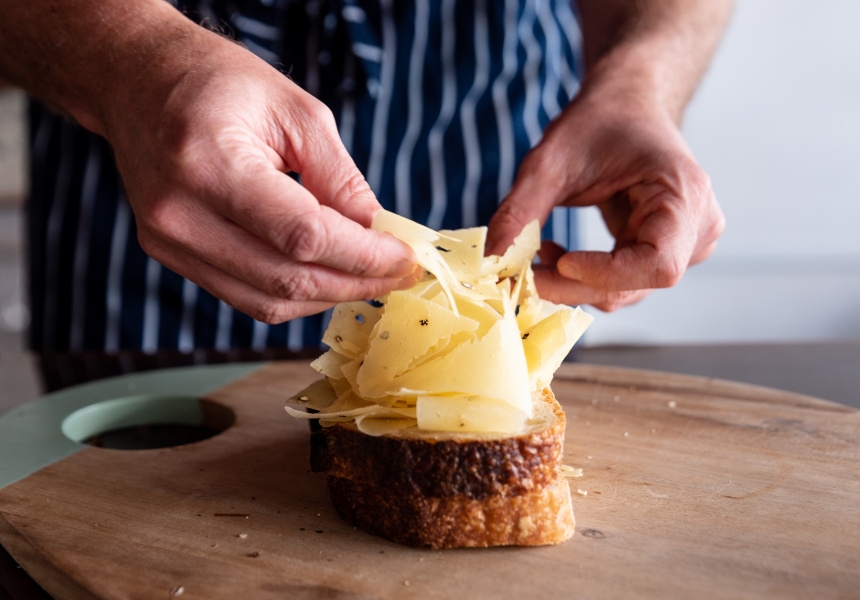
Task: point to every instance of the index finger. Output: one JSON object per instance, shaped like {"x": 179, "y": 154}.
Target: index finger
{"x": 328, "y": 171}
{"x": 289, "y": 217}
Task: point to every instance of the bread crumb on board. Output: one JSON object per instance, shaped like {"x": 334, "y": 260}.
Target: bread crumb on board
{"x": 571, "y": 472}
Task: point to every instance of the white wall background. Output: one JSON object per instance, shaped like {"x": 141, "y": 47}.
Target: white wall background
{"x": 776, "y": 124}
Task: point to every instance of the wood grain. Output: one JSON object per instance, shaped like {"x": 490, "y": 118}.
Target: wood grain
{"x": 695, "y": 488}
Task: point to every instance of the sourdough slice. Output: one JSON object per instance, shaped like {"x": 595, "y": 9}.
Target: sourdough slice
{"x": 412, "y": 461}
{"x": 447, "y": 490}
{"x": 537, "y": 518}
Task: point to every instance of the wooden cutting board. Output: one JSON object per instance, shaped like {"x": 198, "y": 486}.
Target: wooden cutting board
{"x": 695, "y": 488}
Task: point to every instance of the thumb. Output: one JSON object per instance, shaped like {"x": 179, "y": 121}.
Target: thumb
{"x": 531, "y": 197}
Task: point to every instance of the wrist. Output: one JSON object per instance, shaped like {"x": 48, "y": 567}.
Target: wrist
{"x": 632, "y": 77}
{"x": 150, "y": 55}
{"x": 654, "y": 50}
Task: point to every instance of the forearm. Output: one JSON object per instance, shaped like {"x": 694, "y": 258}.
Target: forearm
{"x": 87, "y": 57}
{"x": 655, "y": 51}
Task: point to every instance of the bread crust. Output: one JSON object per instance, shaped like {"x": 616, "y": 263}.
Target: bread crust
{"x": 472, "y": 465}
{"x": 452, "y": 490}
{"x": 537, "y": 518}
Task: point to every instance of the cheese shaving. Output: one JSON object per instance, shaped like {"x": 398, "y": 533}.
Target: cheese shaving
{"x": 462, "y": 351}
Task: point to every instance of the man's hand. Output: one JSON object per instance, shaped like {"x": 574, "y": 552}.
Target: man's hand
{"x": 204, "y": 135}
{"x": 206, "y": 176}
{"x": 618, "y": 147}
{"x": 655, "y": 199}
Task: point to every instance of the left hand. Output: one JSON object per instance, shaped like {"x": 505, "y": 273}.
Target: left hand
{"x": 627, "y": 158}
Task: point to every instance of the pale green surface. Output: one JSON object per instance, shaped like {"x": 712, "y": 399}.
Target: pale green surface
{"x": 31, "y": 435}
{"x": 120, "y": 413}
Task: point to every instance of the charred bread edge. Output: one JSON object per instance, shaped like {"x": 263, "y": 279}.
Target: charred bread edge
{"x": 476, "y": 466}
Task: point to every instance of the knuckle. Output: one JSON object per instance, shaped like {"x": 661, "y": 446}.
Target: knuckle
{"x": 716, "y": 226}
{"x": 296, "y": 284}
{"x": 160, "y": 218}
{"x": 304, "y": 240}
{"x": 150, "y": 244}
{"x": 273, "y": 309}
{"x": 272, "y": 312}
{"x": 322, "y": 114}
{"x": 188, "y": 161}
{"x": 352, "y": 186}
{"x": 701, "y": 179}
{"x": 533, "y": 161}
{"x": 161, "y": 214}
{"x": 610, "y": 303}
{"x": 614, "y": 301}
{"x": 369, "y": 265}
{"x": 314, "y": 118}
{"x": 668, "y": 273}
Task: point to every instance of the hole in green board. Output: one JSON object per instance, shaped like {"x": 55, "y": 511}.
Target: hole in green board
{"x": 147, "y": 422}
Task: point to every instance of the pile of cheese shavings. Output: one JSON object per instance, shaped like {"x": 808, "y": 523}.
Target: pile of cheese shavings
{"x": 462, "y": 351}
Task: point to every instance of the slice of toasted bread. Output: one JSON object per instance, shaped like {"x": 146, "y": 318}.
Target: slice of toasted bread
{"x": 537, "y": 518}
{"x": 412, "y": 461}
{"x": 446, "y": 490}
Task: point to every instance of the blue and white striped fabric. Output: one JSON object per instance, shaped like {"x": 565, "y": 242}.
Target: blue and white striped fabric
{"x": 437, "y": 101}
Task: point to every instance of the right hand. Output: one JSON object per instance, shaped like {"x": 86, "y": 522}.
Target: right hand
{"x": 204, "y": 145}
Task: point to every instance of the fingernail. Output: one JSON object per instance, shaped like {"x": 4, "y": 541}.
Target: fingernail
{"x": 402, "y": 268}
{"x": 569, "y": 270}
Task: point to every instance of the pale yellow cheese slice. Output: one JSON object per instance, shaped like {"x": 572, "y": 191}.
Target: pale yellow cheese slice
{"x": 422, "y": 240}
{"x": 463, "y": 250}
{"x": 574, "y": 322}
{"x": 521, "y": 252}
{"x": 460, "y": 351}
{"x": 409, "y": 327}
{"x": 491, "y": 367}
{"x": 350, "y": 327}
{"x": 465, "y": 413}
